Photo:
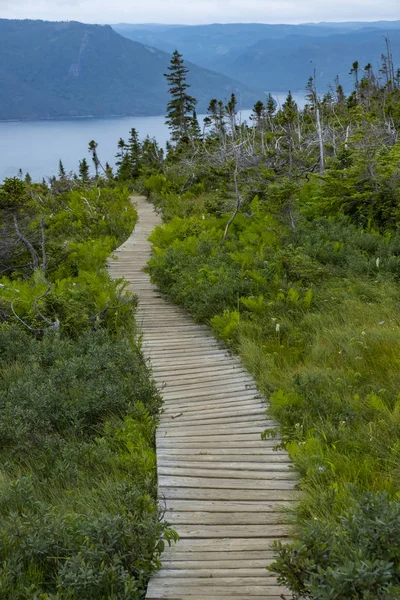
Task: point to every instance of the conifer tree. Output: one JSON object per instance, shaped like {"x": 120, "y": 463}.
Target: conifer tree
{"x": 134, "y": 152}
{"x": 181, "y": 106}
{"x": 61, "y": 171}
{"x": 108, "y": 171}
{"x": 95, "y": 158}
{"x": 84, "y": 170}
{"x": 270, "y": 106}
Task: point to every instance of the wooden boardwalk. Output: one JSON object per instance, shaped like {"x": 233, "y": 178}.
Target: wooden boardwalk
{"x": 224, "y": 489}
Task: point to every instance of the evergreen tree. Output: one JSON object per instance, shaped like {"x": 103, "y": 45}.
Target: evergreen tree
{"x": 134, "y": 152}
{"x": 61, "y": 171}
{"x": 95, "y": 158}
{"x": 217, "y": 111}
{"x": 151, "y": 154}
{"x": 129, "y": 157}
{"x": 231, "y": 111}
{"x": 195, "y": 128}
{"x": 84, "y": 170}
{"x": 108, "y": 171}
{"x": 181, "y": 106}
{"x": 270, "y": 106}
{"x": 122, "y": 147}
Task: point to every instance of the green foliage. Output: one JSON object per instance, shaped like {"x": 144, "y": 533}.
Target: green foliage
{"x": 78, "y": 410}
{"x": 355, "y": 557}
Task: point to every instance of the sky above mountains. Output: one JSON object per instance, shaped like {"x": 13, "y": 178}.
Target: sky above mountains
{"x": 201, "y": 11}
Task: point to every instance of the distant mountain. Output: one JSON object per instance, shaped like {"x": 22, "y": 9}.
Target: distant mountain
{"x": 276, "y": 57}
{"x": 69, "y": 69}
{"x": 288, "y": 63}
{"x": 159, "y": 27}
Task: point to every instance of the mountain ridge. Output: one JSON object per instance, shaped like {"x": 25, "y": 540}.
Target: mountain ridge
{"x": 71, "y": 69}
{"x": 257, "y": 52}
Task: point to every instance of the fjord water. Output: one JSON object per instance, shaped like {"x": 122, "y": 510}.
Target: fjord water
{"x": 37, "y": 146}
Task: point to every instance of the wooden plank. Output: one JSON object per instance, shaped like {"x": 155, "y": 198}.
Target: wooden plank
{"x": 263, "y": 451}
{"x": 210, "y": 396}
{"x": 177, "y": 596}
{"x": 225, "y": 483}
{"x": 234, "y": 400}
{"x": 179, "y": 420}
{"x": 215, "y": 465}
{"x": 212, "y": 572}
{"x": 183, "y": 556}
{"x": 225, "y": 506}
{"x": 210, "y": 388}
{"x": 252, "y": 439}
{"x": 160, "y": 590}
{"x": 213, "y": 563}
{"x": 225, "y": 429}
{"x": 199, "y": 519}
{"x": 226, "y": 545}
{"x": 206, "y": 471}
{"x": 208, "y": 444}
{"x": 185, "y": 456}
{"x": 166, "y": 493}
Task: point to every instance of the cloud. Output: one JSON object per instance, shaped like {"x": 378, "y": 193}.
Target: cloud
{"x": 201, "y": 11}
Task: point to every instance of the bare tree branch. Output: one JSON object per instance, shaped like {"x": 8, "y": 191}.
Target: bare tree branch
{"x": 27, "y": 244}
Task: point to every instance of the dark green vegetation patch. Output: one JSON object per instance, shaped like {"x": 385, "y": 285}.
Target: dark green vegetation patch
{"x": 78, "y": 410}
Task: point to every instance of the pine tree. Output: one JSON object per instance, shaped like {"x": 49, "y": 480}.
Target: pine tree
{"x": 216, "y": 109}
{"x": 84, "y": 170}
{"x": 231, "y": 111}
{"x": 270, "y": 106}
{"x": 134, "y": 153}
{"x": 181, "y": 106}
{"x": 122, "y": 147}
{"x": 108, "y": 171}
{"x": 61, "y": 171}
{"x": 95, "y": 158}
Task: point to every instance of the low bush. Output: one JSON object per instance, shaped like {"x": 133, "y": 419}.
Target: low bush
{"x": 79, "y": 517}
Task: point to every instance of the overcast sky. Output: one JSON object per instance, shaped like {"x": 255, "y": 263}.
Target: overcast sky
{"x": 201, "y": 11}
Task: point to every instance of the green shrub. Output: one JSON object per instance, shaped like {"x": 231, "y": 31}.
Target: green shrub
{"x": 356, "y": 557}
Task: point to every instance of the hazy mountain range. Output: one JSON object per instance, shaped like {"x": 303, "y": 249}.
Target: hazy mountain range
{"x": 68, "y": 69}
{"x": 275, "y": 57}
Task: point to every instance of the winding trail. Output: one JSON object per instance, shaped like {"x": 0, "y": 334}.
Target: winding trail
{"x": 224, "y": 489}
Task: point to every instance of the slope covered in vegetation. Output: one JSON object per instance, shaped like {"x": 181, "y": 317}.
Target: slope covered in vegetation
{"x": 69, "y": 69}
{"x": 274, "y": 57}
{"x": 78, "y": 409}
{"x": 284, "y": 237}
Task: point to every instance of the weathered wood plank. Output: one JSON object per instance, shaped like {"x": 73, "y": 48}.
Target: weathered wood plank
{"x": 213, "y": 493}
{"x": 206, "y": 472}
{"x": 225, "y": 506}
{"x": 216, "y": 518}
{"x": 227, "y": 484}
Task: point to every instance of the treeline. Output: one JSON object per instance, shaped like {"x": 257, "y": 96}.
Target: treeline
{"x": 78, "y": 409}
{"x": 283, "y": 235}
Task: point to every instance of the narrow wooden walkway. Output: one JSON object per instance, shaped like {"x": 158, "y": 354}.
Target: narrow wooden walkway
{"x": 224, "y": 489}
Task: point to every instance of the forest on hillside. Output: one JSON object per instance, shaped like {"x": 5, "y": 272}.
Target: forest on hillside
{"x": 281, "y": 234}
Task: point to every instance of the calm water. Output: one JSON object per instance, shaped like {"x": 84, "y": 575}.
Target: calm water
{"x": 37, "y": 146}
